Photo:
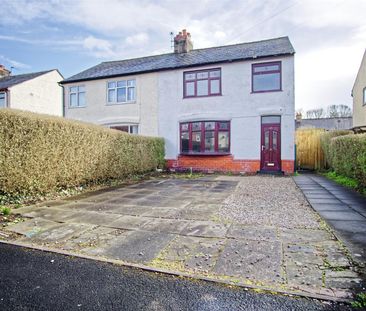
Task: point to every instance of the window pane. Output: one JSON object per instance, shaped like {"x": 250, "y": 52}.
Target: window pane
{"x": 123, "y": 128}
{"x": 271, "y": 119}
{"x": 209, "y": 125}
{"x": 266, "y": 82}
{"x": 73, "y": 100}
{"x": 184, "y": 126}
{"x": 210, "y": 141}
{"x": 134, "y": 129}
{"x": 190, "y": 89}
{"x": 73, "y": 89}
{"x": 131, "y": 83}
{"x": 2, "y": 100}
{"x": 185, "y": 141}
{"x": 202, "y": 75}
{"x": 111, "y": 95}
{"x": 196, "y": 126}
{"x": 215, "y": 86}
{"x": 121, "y": 95}
{"x": 81, "y": 99}
{"x": 223, "y": 142}
{"x": 215, "y": 74}
{"x": 266, "y": 139}
{"x": 202, "y": 88}
{"x": 131, "y": 93}
{"x": 266, "y": 68}
{"x": 196, "y": 141}
{"x": 274, "y": 140}
{"x": 223, "y": 125}
{"x": 111, "y": 85}
{"x": 121, "y": 83}
{"x": 190, "y": 76}
{"x": 81, "y": 89}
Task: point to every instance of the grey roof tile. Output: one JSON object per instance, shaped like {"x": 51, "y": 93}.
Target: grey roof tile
{"x": 9, "y": 81}
{"x": 250, "y": 50}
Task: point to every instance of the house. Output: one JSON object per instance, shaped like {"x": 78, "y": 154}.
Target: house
{"x": 37, "y": 92}
{"x": 359, "y": 98}
{"x": 226, "y": 108}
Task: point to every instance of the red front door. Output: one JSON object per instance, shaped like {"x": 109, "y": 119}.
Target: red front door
{"x": 271, "y": 147}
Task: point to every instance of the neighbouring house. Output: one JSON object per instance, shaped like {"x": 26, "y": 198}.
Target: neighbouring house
{"x": 339, "y": 123}
{"x": 37, "y": 92}
{"x": 227, "y": 108}
{"x": 359, "y": 98}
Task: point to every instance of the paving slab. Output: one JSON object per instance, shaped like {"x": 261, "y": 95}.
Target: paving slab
{"x": 252, "y": 233}
{"x": 255, "y": 260}
{"x": 206, "y": 229}
{"x": 138, "y": 246}
{"x": 31, "y": 227}
{"x": 129, "y": 222}
{"x": 304, "y": 274}
{"x": 343, "y": 279}
{"x": 94, "y": 218}
{"x": 303, "y": 235}
{"x": 165, "y": 225}
{"x": 340, "y": 215}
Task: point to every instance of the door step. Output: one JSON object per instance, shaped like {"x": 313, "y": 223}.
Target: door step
{"x": 275, "y": 173}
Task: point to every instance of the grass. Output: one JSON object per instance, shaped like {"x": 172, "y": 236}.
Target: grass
{"x": 343, "y": 180}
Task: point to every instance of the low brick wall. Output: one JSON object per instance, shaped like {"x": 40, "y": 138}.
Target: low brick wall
{"x": 222, "y": 164}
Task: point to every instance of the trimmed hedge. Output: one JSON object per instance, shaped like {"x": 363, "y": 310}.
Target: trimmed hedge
{"x": 325, "y": 140}
{"x": 40, "y": 153}
{"x": 348, "y": 157}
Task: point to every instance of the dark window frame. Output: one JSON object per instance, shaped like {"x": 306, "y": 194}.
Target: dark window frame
{"x": 216, "y": 131}
{"x": 209, "y": 79}
{"x": 279, "y": 63}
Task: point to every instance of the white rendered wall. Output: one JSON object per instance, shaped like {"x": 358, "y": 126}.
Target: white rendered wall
{"x": 237, "y": 104}
{"x": 143, "y": 111}
{"x": 41, "y": 94}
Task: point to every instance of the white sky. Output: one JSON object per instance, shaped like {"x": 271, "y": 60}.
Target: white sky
{"x": 329, "y": 36}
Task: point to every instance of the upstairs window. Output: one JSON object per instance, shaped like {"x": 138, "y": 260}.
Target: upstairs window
{"x": 122, "y": 91}
{"x": 205, "y": 137}
{"x": 266, "y": 77}
{"x": 202, "y": 83}
{"x": 77, "y": 96}
{"x": 2, "y": 99}
{"x": 364, "y": 97}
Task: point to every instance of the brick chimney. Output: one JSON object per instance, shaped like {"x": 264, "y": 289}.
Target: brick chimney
{"x": 298, "y": 116}
{"x": 182, "y": 42}
{"x": 4, "y": 72}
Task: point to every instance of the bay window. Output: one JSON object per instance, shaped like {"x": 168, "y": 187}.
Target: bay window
{"x": 205, "y": 137}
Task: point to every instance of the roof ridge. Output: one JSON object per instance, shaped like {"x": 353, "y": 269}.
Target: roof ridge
{"x": 29, "y": 73}
{"x": 212, "y": 47}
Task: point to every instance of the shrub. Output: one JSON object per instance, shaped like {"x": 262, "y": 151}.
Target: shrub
{"x": 348, "y": 154}
{"x": 40, "y": 153}
{"x": 325, "y": 140}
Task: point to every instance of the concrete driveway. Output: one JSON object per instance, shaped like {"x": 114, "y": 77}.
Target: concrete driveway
{"x": 209, "y": 227}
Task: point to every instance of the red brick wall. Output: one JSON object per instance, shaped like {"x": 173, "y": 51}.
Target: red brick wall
{"x": 222, "y": 164}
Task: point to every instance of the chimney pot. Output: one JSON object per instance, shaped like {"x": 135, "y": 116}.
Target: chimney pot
{"x": 182, "y": 42}
{"x": 4, "y": 72}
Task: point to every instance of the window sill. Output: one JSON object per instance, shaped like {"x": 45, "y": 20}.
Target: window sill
{"x": 272, "y": 91}
{"x": 205, "y": 154}
{"x": 121, "y": 103}
{"x": 205, "y": 96}
{"x": 75, "y": 107}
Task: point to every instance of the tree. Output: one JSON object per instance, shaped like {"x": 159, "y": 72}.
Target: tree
{"x": 315, "y": 113}
{"x": 336, "y": 111}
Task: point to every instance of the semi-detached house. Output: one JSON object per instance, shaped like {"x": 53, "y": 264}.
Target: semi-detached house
{"x": 227, "y": 108}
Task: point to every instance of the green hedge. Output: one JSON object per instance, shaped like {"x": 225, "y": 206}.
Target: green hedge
{"x": 325, "y": 140}
{"x": 348, "y": 157}
{"x": 40, "y": 154}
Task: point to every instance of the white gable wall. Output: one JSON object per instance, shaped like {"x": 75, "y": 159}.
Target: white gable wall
{"x": 41, "y": 94}
{"x": 237, "y": 104}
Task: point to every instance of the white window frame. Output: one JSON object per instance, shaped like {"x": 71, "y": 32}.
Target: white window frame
{"x": 364, "y": 96}
{"x": 126, "y": 87}
{"x": 129, "y": 125}
{"x": 77, "y": 92}
{"x": 5, "y": 98}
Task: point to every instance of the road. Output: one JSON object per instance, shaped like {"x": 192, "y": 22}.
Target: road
{"x": 36, "y": 280}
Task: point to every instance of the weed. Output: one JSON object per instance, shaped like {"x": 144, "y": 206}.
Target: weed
{"x": 360, "y": 301}
{"x": 342, "y": 180}
{"x": 5, "y": 210}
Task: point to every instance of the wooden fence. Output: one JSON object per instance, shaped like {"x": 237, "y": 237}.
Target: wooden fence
{"x": 309, "y": 154}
